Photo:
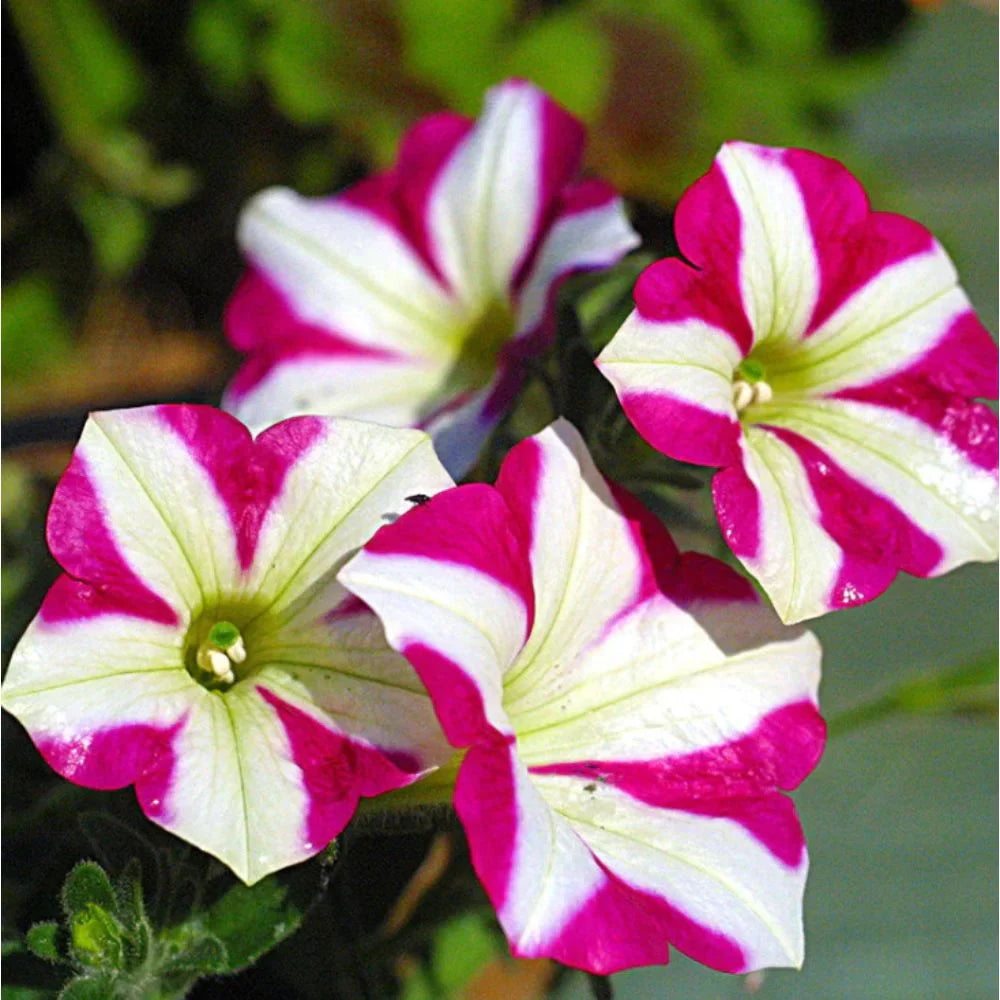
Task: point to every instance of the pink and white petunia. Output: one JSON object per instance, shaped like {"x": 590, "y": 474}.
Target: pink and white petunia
{"x": 414, "y": 298}
{"x": 630, "y": 714}
{"x": 198, "y": 645}
{"x": 826, "y": 358}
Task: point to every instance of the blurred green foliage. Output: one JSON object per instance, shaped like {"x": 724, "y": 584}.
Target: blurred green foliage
{"x": 461, "y": 948}
{"x": 655, "y": 80}
{"x": 34, "y": 330}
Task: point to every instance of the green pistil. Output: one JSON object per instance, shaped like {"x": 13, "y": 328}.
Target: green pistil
{"x": 751, "y": 371}
{"x": 223, "y": 635}
{"x": 217, "y": 656}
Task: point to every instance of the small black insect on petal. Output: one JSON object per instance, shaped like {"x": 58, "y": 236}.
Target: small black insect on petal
{"x": 417, "y": 499}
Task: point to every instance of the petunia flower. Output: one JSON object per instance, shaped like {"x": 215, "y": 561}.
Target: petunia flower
{"x": 198, "y": 645}
{"x": 414, "y": 297}
{"x": 630, "y": 716}
{"x": 826, "y": 358}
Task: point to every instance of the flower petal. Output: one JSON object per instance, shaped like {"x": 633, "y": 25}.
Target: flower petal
{"x": 747, "y": 220}
{"x": 141, "y": 475}
{"x": 772, "y": 522}
{"x": 122, "y": 671}
{"x": 659, "y": 683}
{"x": 448, "y": 581}
{"x": 719, "y": 894}
{"x": 579, "y": 545}
{"x": 947, "y": 504}
{"x": 394, "y": 391}
{"x": 903, "y": 312}
{"x": 589, "y": 230}
{"x": 340, "y": 664}
{"x": 585, "y": 873}
{"x": 675, "y": 381}
{"x": 352, "y": 479}
{"x": 264, "y": 769}
{"x": 536, "y": 871}
{"x": 490, "y": 201}
{"x": 343, "y": 269}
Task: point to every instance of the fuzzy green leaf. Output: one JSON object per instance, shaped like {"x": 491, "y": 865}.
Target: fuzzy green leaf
{"x": 96, "y": 938}
{"x": 99, "y": 987}
{"x": 203, "y": 957}
{"x": 86, "y": 884}
{"x": 43, "y": 940}
{"x": 250, "y": 920}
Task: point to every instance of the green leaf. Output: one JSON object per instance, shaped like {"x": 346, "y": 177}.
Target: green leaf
{"x": 250, "y": 920}
{"x": 24, "y": 993}
{"x": 967, "y": 690}
{"x": 42, "y": 940}
{"x": 126, "y": 164}
{"x": 131, "y": 911}
{"x": 568, "y": 56}
{"x": 100, "y": 987}
{"x": 96, "y": 938}
{"x": 204, "y": 957}
{"x": 86, "y": 884}
{"x": 786, "y": 31}
{"x": 118, "y": 228}
{"x": 296, "y": 60}
{"x": 88, "y": 76}
{"x": 461, "y": 948}
{"x": 35, "y": 331}
{"x": 219, "y": 35}
{"x": 122, "y": 849}
{"x": 433, "y": 33}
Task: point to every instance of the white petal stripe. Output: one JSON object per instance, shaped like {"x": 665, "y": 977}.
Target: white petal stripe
{"x": 344, "y": 269}
{"x": 333, "y": 499}
{"x": 553, "y": 871}
{"x": 779, "y": 272}
{"x": 482, "y": 210}
{"x": 580, "y": 547}
{"x": 237, "y": 793}
{"x": 103, "y": 647}
{"x": 658, "y": 685}
{"x": 389, "y": 391}
{"x": 689, "y": 360}
{"x": 879, "y": 331}
{"x": 145, "y": 477}
{"x": 65, "y": 704}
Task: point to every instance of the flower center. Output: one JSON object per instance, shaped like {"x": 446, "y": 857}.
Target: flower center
{"x": 479, "y": 346}
{"x": 216, "y": 654}
{"x": 749, "y": 385}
